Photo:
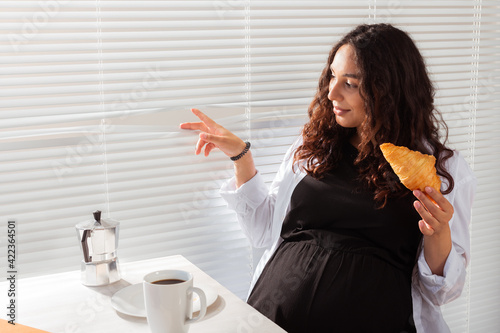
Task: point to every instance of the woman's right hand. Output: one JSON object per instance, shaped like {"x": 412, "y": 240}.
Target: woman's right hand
{"x": 213, "y": 136}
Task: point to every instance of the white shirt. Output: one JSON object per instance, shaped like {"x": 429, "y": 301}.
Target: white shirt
{"x": 261, "y": 211}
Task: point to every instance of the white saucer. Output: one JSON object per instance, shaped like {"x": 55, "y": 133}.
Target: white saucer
{"x": 130, "y": 300}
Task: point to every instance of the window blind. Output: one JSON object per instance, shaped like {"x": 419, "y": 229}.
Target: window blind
{"x": 484, "y": 289}
{"x": 92, "y": 93}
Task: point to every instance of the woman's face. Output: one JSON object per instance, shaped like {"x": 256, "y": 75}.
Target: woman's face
{"x": 348, "y": 105}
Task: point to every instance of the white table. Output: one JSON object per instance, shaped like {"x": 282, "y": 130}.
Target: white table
{"x": 59, "y": 303}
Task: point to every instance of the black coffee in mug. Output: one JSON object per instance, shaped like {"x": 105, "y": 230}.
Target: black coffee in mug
{"x": 169, "y": 281}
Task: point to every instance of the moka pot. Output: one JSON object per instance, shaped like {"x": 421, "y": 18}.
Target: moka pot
{"x": 99, "y": 241}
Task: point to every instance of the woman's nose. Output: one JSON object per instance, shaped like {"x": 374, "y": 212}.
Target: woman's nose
{"x": 333, "y": 91}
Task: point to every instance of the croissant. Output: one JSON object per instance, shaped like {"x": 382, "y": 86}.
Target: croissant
{"x": 414, "y": 169}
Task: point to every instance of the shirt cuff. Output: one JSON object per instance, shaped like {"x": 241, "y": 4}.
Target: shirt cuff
{"x": 445, "y": 287}
{"x": 249, "y": 195}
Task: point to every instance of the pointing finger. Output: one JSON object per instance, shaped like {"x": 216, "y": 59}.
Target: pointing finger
{"x": 206, "y": 119}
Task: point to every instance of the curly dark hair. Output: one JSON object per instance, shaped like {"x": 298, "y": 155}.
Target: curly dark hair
{"x": 398, "y": 97}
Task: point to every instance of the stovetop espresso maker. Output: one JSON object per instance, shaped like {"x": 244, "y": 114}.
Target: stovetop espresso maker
{"x": 99, "y": 242}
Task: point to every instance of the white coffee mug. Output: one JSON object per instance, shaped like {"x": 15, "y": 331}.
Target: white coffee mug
{"x": 168, "y": 297}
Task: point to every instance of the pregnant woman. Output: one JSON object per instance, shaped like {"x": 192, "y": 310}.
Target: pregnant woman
{"x": 348, "y": 247}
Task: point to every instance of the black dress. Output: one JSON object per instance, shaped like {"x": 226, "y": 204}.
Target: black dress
{"x": 344, "y": 265}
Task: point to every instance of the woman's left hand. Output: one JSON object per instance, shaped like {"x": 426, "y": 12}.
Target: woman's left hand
{"x": 435, "y": 227}
{"x": 435, "y": 215}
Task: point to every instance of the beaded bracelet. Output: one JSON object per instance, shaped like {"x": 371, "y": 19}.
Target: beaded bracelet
{"x": 240, "y": 155}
